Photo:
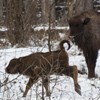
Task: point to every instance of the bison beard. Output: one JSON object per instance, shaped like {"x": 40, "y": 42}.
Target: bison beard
{"x": 42, "y": 65}
{"x": 85, "y": 28}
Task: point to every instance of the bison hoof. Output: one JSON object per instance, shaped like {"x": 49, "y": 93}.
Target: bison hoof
{"x": 78, "y": 89}
{"x": 24, "y": 95}
{"x": 91, "y": 76}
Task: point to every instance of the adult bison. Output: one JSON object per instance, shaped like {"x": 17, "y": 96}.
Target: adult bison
{"x": 85, "y": 29}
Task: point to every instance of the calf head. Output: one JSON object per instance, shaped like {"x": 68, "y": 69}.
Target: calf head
{"x": 13, "y": 66}
{"x": 77, "y": 24}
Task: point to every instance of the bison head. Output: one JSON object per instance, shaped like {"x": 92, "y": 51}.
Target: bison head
{"x": 13, "y": 66}
{"x": 77, "y": 24}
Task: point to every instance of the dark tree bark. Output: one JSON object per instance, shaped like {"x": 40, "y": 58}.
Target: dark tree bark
{"x": 75, "y": 7}
{"x": 83, "y": 5}
{"x": 19, "y": 19}
{"x": 15, "y": 16}
{"x": 47, "y": 10}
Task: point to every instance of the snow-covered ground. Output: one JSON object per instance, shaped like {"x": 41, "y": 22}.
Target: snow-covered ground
{"x": 61, "y": 86}
{"x": 2, "y": 28}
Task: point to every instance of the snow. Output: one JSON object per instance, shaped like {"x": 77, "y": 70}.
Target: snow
{"x": 40, "y": 27}
{"x": 61, "y": 86}
{"x": 2, "y": 28}
{"x": 45, "y": 27}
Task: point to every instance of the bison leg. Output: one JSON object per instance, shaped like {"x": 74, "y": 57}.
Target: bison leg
{"x": 73, "y": 72}
{"x": 91, "y": 57}
{"x": 46, "y": 85}
{"x": 29, "y": 85}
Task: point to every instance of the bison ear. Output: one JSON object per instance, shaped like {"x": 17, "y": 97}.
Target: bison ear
{"x": 86, "y": 21}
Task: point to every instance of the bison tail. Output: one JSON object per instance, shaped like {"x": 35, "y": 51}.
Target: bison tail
{"x": 64, "y": 41}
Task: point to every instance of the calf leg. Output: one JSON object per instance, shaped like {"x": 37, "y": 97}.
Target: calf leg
{"x": 74, "y": 75}
{"x": 46, "y": 85}
{"x": 73, "y": 72}
{"x": 29, "y": 85}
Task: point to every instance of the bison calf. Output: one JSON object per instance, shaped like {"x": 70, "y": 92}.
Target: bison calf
{"x": 42, "y": 65}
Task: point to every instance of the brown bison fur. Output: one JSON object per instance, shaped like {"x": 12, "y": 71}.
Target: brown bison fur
{"x": 42, "y": 65}
{"x": 85, "y": 29}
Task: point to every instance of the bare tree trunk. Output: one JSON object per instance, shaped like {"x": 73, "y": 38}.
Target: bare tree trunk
{"x": 47, "y": 9}
{"x": 83, "y": 5}
{"x": 20, "y": 20}
{"x": 15, "y": 16}
{"x": 70, "y": 4}
{"x": 76, "y": 7}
